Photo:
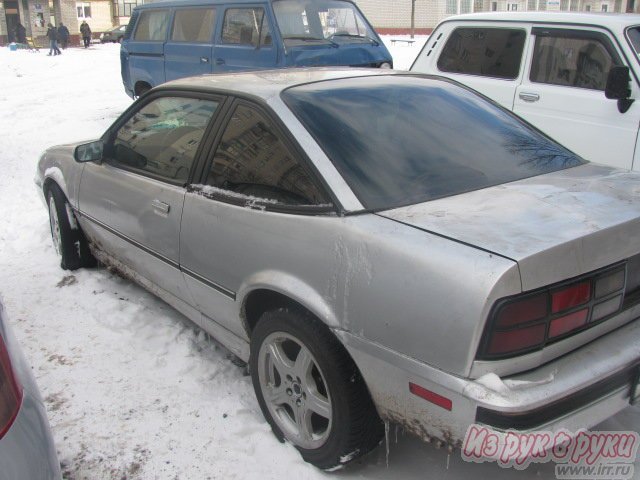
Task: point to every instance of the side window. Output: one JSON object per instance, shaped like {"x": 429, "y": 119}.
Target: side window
{"x": 193, "y": 25}
{"x": 162, "y": 138}
{"x": 572, "y": 61}
{"x": 152, "y": 25}
{"x": 489, "y": 52}
{"x": 253, "y": 161}
{"x": 246, "y": 26}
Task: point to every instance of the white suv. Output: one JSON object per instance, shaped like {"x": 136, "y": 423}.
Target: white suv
{"x": 573, "y": 75}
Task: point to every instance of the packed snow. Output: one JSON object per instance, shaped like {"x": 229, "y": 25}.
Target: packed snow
{"x": 133, "y": 389}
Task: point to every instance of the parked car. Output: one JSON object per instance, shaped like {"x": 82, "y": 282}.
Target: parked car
{"x": 181, "y": 38}
{"x": 26, "y": 444}
{"x": 113, "y": 36}
{"x": 373, "y": 243}
{"x": 552, "y": 69}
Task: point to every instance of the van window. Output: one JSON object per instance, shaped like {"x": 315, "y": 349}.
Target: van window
{"x": 152, "y": 25}
{"x": 340, "y": 21}
{"x": 490, "y": 52}
{"x": 193, "y": 25}
{"x": 245, "y": 26}
{"x": 633, "y": 34}
{"x": 579, "y": 60}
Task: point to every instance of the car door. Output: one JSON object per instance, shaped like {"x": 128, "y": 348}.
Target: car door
{"x": 145, "y": 51}
{"x": 485, "y": 57}
{"x": 190, "y": 50}
{"x": 258, "y": 210}
{"x": 133, "y": 199}
{"x": 563, "y": 94}
{"x": 245, "y": 41}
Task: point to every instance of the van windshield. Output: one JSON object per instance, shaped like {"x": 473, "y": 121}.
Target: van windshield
{"x": 329, "y": 21}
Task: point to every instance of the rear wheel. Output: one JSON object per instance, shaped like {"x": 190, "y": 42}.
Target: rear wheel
{"x": 68, "y": 240}
{"x": 310, "y": 391}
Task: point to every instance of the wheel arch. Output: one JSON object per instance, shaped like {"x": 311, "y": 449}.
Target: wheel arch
{"x": 54, "y": 176}
{"x": 262, "y": 299}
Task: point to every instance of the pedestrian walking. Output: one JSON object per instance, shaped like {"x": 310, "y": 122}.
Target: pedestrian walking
{"x": 21, "y": 33}
{"x": 85, "y": 31}
{"x": 63, "y": 35}
{"x": 52, "y": 35}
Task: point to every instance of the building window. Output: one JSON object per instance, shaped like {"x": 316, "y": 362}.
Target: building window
{"x": 452, "y": 7}
{"x": 512, "y": 7}
{"x": 605, "y": 7}
{"x": 494, "y": 6}
{"x": 84, "y": 10}
{"x": 123, "y": 9}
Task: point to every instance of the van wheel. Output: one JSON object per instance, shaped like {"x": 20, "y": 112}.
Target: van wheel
{"x": 142, "y": 88}
{"x": 310, "y": 391}
{"x": 68, "y": 240}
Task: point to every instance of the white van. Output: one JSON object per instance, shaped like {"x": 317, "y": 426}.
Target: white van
{"x": 575, "y": 76}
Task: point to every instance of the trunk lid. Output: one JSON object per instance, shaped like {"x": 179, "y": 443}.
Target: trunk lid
{"x": 556, "y": 226}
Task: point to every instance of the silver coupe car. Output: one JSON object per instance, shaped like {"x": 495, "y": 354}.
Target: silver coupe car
{"x": 377, "y": 245}
{"x": 27, "y": 450}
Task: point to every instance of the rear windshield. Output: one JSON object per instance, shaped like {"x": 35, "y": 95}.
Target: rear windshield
{"x": 399, "y": 140}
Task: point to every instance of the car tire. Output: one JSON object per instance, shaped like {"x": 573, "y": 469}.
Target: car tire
{"x": 310, "y": 390}
{"x": 69, "y": 241}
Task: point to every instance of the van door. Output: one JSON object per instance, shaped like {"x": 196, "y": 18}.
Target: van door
{"x": 246, "y": 41}
{"x": 146, "y": 49}
{"x": 484, "y": 57}
{"x": 190, "y": 50}
{"x": 563, "y": 94}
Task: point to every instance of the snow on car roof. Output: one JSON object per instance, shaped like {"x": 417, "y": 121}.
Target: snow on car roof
{"x": 267, "y": 83}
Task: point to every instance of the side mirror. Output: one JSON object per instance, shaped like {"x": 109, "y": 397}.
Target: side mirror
{"x": 618, "y": 87}
{"x": 89, "y": 152}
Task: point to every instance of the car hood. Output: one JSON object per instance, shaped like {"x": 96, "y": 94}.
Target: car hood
{"x": 556, "y": 226}
{"x": 357, "y": 55}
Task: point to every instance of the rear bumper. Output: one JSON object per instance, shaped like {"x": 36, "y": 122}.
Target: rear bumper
{"x": 576, "y": 391}
{"x": 27, "y": 450}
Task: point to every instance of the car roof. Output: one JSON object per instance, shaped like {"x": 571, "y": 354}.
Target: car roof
{"x": 186, "y": 3}
{"x": 610, "y": 20}
{"x": 268, "y": 83}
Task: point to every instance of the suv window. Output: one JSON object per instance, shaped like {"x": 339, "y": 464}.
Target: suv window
{"x": 580, "y": 59}
{"x": 253, "y": 161}
{"x": 193, "y": 25}
{"x": 246, "y": 26}
{"x": 152, "y": 25}
{"x": 162, "y": 137}
{"x": 490, "y": 52}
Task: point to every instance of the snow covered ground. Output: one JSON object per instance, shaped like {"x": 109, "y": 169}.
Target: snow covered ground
{"x": 133, "y": 389}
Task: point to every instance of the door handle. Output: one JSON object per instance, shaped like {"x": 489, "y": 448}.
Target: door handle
{"x": 204, "y": 60}
{"x": 161, "y": 207}
{"x": 219, "y": 61}
{"x": 529, "y": 97}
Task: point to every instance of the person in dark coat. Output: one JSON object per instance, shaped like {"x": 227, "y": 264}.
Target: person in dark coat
{"x": 52, "y": 35}
{"x": 63, "y": 35}
{"x": 21, "y": 33}
{"x": 85, "y": 31}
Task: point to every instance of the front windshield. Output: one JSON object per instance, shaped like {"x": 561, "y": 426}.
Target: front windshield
{"x": 403, "y": 139}
{"x": 330, "y": 21}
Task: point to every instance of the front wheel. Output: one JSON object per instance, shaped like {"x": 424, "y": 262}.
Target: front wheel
{"x": 310, "y": 391}
{"x": 68, "y": 240}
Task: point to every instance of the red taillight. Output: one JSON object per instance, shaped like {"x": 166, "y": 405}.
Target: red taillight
{"x": 529, "y": 321}
{"x": 10, "y": 391}
{"x": 517, "y": 339}
{"x": 569, "y": 297}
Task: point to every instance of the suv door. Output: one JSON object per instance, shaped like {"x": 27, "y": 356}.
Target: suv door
{"x": 134, "y": 198}
{"x": 246, "y": 40}
{"x": 485, "y": 57}
{"x": 190, "y": 50}
{"x": 563, "y": 94}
